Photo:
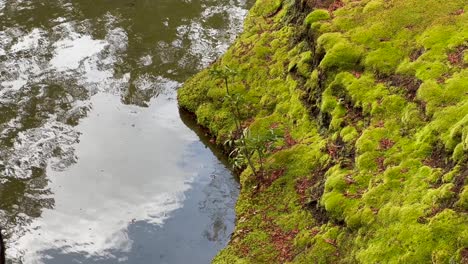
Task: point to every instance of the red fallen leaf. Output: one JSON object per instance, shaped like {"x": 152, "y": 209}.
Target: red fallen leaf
{"x": 386, "y": 143}
{"x": 464, "y": 255}
{"x": 330, "y": 241}
{"x": 247, "y": 123}
{"x": 335, "y": 5}
{"x": 454, "y": 58}
{"x": 349, "y": 180}
{"x": 459, "y": 12}
{"x": 352, "y": 195}
{"x": 314, "y": 232}
{"x": 332, "y": 150}
{"x": 274, "y": 125}
{"x": 244, "y": 250}
{"x": 282, "y": 241}
{"x": 289, "y": 140}
{"x": 357, "y": 74}
{"x": 277, "y": 173}
{"x": 266, "y": 178}
{"x": 302, "y": 186}
{"x": 380, "y": 163}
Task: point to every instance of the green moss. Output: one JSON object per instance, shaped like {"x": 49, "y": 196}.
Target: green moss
{"x": 260, "y": 251}
{"x": 321, "y": 27}
{"x": 349, "y": 134}
{"x": 364, "y": 92}
{"x": 384, "y": 60}
{"x": 316, "y": 15}
{"x": 229, "y": 256}
{"x": 326, "y": 41}
{"x": 369, "y": 167}
{"x": 390, "y": 106}
{"x": 335, "y": 179}
{"x": 362, "y": 218}
{"x": 342, "y": 55}
{"x": 431, "y": 70}
{"x": 304, "y": 66}
{"x": 463, "y": 200}
{"x": 266, "y": 7}
{"x": 411, "y": 116}
{"x": 191, "y": 97}
{"x": 373, "y": 5}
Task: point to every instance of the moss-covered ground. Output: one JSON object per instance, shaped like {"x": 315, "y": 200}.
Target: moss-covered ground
{"x": 371, "y": 97}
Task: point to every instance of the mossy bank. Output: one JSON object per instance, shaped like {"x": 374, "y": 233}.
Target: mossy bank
{"x": 370, "y": 98}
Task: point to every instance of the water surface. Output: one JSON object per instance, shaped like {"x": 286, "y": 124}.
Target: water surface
{"x": 96, "y": 165}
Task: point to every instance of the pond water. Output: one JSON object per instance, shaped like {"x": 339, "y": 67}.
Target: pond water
{"x": 97, "y": 165}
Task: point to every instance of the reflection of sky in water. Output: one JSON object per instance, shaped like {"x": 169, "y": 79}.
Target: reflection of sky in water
{"x": 71, "y": 52}
{"x": 123, "y": 186}
{"x": 121, "y": 175}
{"x": 118, "y": 180}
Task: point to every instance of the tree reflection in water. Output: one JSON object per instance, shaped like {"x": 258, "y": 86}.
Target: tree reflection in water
{"x": 22, "y": 200}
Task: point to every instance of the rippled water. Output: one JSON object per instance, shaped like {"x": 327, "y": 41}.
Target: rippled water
{"x": 96, "y": 164}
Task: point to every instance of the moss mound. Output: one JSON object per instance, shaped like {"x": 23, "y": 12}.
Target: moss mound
{"x": 371, "y": 99}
